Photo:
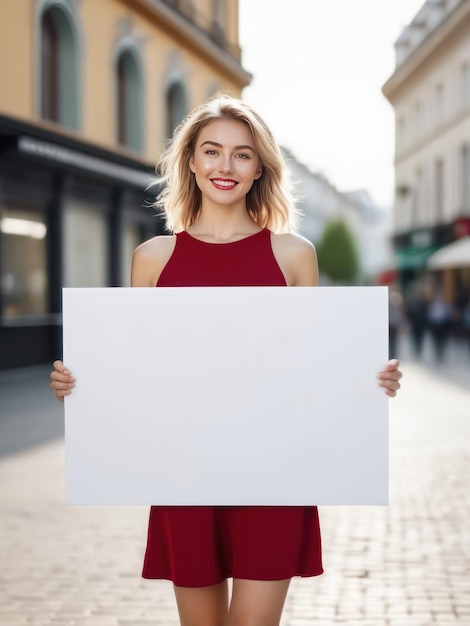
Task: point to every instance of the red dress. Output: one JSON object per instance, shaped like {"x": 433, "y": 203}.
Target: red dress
{"x": 197, "y": 546}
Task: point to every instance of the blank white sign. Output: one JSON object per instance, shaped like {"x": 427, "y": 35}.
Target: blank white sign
{"x": 226, "y": 396}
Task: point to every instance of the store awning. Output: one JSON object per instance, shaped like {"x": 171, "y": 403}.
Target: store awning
{"x": 413, "y": 258}
{"x": 455, "y": 255}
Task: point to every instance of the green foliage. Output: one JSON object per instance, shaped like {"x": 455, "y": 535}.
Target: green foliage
{"x": 337, "y": 253}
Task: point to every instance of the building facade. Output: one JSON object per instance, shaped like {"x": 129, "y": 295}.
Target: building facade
{"x": 91, "y": 91}
{"x": 320, "y": 202}
{"x": 430, "y": 93}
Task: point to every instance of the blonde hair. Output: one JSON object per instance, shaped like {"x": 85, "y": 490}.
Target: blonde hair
{"x": 269, "y": 202}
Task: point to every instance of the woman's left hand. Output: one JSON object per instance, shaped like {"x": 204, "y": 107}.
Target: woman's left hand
{"x": 389, "y": 377}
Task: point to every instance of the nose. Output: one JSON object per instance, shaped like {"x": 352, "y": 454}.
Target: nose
{"x": 225, "y": 164}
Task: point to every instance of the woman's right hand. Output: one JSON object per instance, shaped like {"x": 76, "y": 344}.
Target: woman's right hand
{"x": 62, "y": 381}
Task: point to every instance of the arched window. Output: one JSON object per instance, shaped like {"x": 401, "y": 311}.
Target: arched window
{"x": 129, "y": 99}
{"x": 176, "y": 107}
{"x": 219, "y": 21}
{"x": 59, "y": 67}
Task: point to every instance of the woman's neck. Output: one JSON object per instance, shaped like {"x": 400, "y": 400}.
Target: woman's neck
{"x": 223, "y": 226}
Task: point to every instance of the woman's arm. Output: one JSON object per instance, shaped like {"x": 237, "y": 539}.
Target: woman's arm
{"x": 149, "y": 259}
{"x": 297, "y": 259}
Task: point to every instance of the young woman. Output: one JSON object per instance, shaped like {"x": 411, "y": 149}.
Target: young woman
{"x": 225, "y": 197}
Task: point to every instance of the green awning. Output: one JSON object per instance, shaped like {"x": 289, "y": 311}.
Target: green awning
{"x": 413, "y": 258}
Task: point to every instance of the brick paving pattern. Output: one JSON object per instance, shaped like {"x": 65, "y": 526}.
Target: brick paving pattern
{"x": 407, "y": 564}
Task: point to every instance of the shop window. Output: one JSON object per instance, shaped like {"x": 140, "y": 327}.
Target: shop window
{"x": 23, "y": 263}
{"x": 129, "y": 100}
{"x": 132, "y": 237}
{"x": 85, "y": 246}
{"x": 176, "y": 107}
{"x": 59, "y": 67}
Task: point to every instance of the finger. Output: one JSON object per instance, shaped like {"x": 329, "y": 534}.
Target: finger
{"x": 391, "y": 365}
{"x": 60, "y": 367}
{"x": 56, "y": 377}
{"x": 390, "y": 374}
{"x": 390, "y": 384}
{"x": 60, "y": 395}
{"x": 58, "y": 385}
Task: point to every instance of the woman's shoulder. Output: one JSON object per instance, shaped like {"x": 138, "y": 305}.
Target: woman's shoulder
{"x": 156, "y": 246}
{"x": 150, "y": 258}
{"x": 293, "y": 245}
{"x": 297, "y": 258}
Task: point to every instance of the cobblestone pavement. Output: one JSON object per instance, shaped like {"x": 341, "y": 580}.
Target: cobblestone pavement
{"x": 407, "y": 564}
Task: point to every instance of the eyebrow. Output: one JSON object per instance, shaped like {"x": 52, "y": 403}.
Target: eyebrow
{"x": 219, "y": 145}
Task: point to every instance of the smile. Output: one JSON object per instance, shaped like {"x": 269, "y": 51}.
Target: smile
{"x": 221, "y": 183}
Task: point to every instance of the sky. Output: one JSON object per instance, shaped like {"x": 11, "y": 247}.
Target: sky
{"x": 318, "y": 69}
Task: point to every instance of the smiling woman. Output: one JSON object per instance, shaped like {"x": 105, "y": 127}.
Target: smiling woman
{"x": 226, "y": 199}
{"x": 268, "y": 201}
{"x": 225, "y": 160}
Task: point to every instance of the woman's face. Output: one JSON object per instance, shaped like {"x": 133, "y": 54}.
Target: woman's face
{"x": 225, "y": 162}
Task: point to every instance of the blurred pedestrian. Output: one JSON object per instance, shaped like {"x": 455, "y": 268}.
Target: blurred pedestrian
{"x": 416, "y": 313}
{"x": 225, "y": 198}
{"x": 440, "y": 318}
{"x": 396, "y": 322}
{"x": 466, "y": 322}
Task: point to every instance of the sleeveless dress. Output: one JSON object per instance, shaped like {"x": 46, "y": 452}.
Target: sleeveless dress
{"x": 197, "y": 546}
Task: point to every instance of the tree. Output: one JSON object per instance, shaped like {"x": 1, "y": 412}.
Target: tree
{"x": 337, "y": 253}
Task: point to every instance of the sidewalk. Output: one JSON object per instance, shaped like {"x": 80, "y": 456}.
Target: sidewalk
{"x": 407, "y": 564}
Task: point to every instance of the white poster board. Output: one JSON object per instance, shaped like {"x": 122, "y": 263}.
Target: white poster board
{"x": 226, "y": 396}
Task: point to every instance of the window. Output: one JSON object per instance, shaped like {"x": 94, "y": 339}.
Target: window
{"x": 176, "y": 107}
{"x": 465, "y": 84}
{"x": 420, "y": 119}
{"x": 400, "y": 133}
{"x": 218, "y": 11}
{"x": 465, "y": 170}
{"x": 50, "y": 69}
{"x": 59, "y": 100}
{"x": 85, "y": 250}
{"x": 439, "y": 104}
{"x": 417, "y": 200}
{"x": 131, "y": 238}
{"x": 438, "y": 190}
{"x": 129, "y": 100}
{"x": 219, "y": 20}
{"x": 23, "y": 278}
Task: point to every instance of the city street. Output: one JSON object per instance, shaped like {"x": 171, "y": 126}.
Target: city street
{"x": 407, "y": 564}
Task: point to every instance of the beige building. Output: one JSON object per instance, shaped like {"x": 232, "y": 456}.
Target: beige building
{"x": 430, "y": 93}
{"x": 91, "y": 91}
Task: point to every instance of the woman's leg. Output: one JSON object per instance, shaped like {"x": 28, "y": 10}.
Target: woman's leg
{"x": 257, "y": 602}
{"x": 202, "y": 606}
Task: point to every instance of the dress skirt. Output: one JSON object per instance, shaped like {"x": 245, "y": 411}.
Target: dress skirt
{"x": 201, "y": 546}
